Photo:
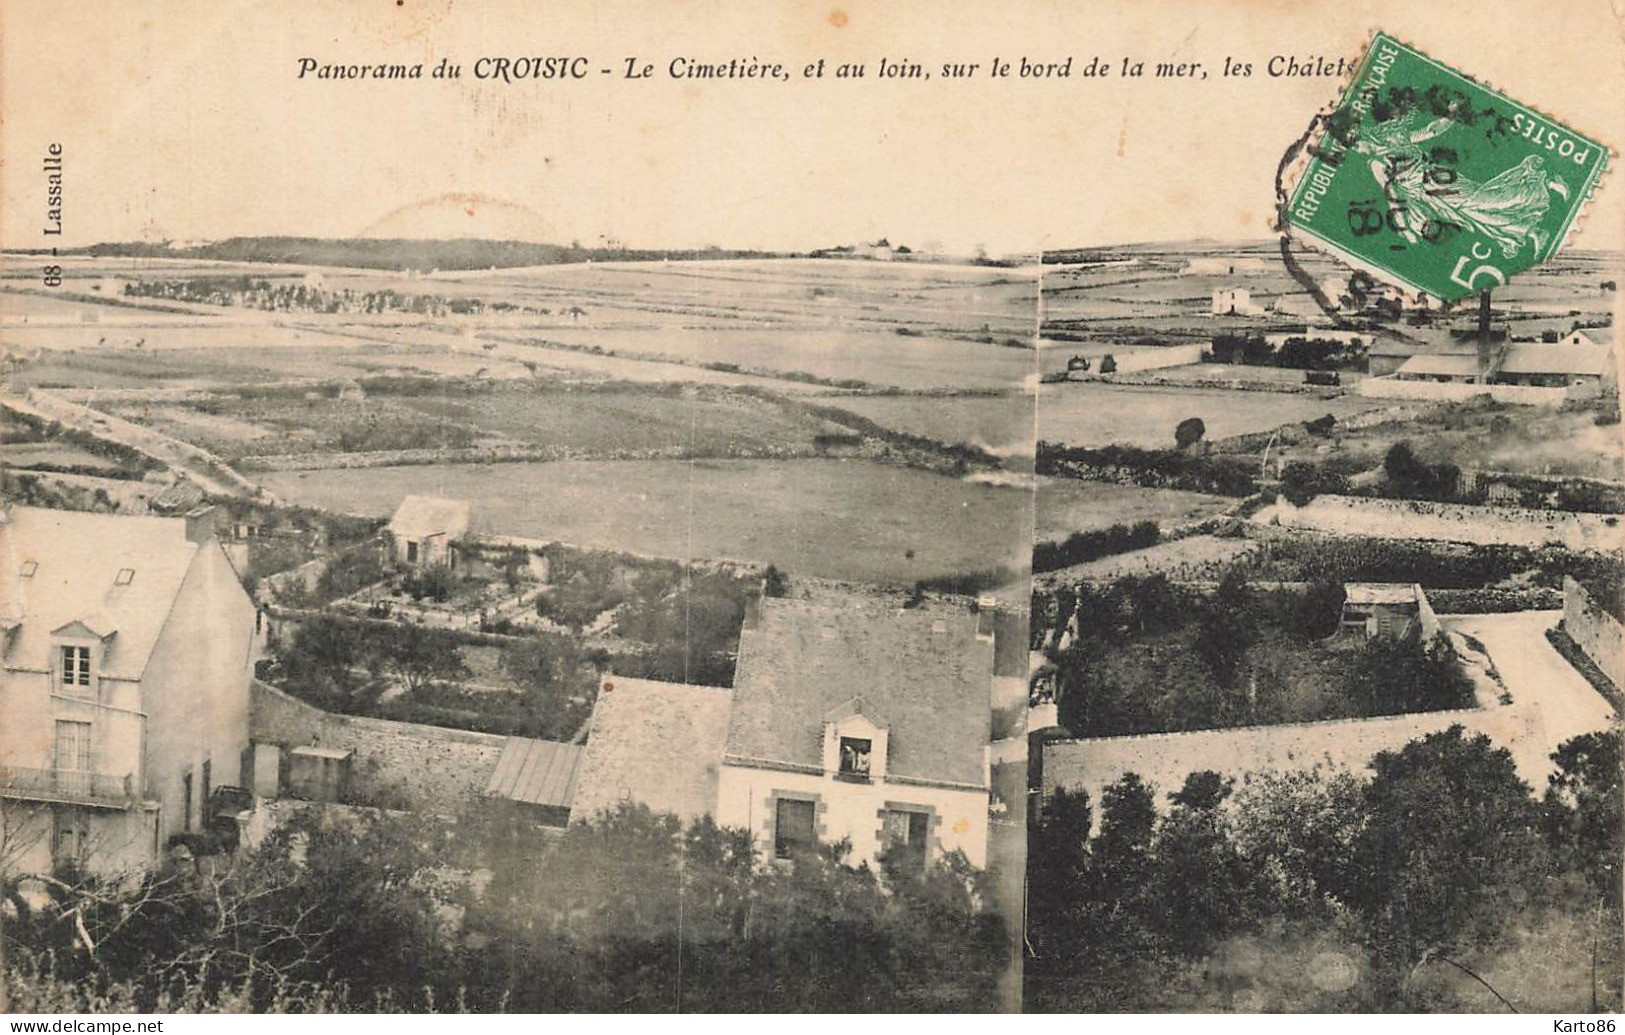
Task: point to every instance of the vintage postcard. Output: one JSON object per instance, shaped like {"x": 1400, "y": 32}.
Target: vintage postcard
{"x": 712, "y": 507}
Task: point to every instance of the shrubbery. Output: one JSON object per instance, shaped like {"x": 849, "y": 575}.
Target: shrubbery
{"x": 1081, "y": 547}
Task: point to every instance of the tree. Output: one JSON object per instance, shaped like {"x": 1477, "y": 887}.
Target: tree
{"x": 1296, "y": 831}
{"x": 1584, "y": 810}
{"x": 774, "y": 584}
{"x": 1189, "y": 432}
{"x": 1451, "y": 841}
{"x": 1228, "y": 628}
{"x": 320, "y": 663}
{"x": 421, "y": 656}
{"x": 1200, "y": 879}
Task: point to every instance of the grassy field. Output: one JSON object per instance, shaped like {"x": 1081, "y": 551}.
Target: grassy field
{"x": 1067, "y": 505}
{"x": 1097, "y": 414}
{"x": 1522, "y": 439}
{"x": 579, "y": 421}
{"x": 876, "y": 356}
{"x": 833, "y": 518}
{"x": 1001, "y": 424}
{"x": 31, "y": 454}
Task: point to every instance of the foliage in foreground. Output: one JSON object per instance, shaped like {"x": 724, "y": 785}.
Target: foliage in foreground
{"x": 1439, "y": 878}
{"x": 490, "y": 912}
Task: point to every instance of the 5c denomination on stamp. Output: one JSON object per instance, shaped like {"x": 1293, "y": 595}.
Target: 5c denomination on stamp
{"x": 1432, "y": 181}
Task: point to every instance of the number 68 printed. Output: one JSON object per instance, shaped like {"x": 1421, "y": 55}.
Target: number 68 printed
{"x": 1483, "y": 269}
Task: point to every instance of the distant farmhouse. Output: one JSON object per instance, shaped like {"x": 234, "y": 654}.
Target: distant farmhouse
{"x": 125, "y": 690}
{"x": 1518, "y": 363}
{"x": 424, "y": 528}
{"x": 1233, "y": 301}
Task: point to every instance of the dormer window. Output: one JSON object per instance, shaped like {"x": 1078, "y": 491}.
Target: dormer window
{"x": 855, "y": 755}
{"x": 76, "y": 669}
{"x": 855, "y": 743}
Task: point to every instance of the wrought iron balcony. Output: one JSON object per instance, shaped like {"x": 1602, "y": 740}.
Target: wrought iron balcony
{"x": 68, "y": 786}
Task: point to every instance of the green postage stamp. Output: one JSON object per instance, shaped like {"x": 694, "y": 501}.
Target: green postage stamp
{"x": 1428, "y": 179}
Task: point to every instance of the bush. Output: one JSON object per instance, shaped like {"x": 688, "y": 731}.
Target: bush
{"x": 1081, "y": 547}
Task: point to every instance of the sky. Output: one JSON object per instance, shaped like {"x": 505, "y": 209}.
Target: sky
{"x": 187, "y": 121}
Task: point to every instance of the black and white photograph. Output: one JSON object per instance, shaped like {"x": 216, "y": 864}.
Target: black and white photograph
{"x": 810, "y": 508}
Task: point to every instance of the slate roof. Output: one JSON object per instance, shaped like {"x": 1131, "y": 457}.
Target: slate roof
{"x": 1523, "y": 358}
{"x": 536, "y": 772}
{"x": 926, "y": 670}
{"x": 420, "y": 516}
{"x": 1379, "y": 593}
{"x": 657, "y": 744}
{"x": 1453, "y": 364}
{"x": 76, "y": 561}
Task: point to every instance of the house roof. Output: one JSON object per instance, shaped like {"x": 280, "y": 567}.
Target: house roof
{"x": 1379, "y": 593}
{"x": 1595, "y": 335}
{"x": 536, "y": 772}
{"x": 420, "y": 516}
{"x": 178, "y": 498}
{"x": 1454, "y": 364}
{"x": 1529, "y": 358}
{"x": 657, "y": 744}
{"x": 925, "y": 669}
{"x": 115, "y": 576}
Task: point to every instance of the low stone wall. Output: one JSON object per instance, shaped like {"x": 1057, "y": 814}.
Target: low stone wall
{"x": 1597, "y": 632}
{"x": 1450, "y": 522}
{"x": 397, "y": 764}
{"x": 1135, "y": 360}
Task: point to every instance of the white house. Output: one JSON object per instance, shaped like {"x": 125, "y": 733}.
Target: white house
{"x": 1233, "y": 301}
{"x": 862, "y": 723}
{"x": 847, "y": 721}
{"x": 423, "y": 529}
{"x": 127, "y": 648}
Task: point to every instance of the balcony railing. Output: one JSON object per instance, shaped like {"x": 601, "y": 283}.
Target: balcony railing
{"x": 70, "y": 786}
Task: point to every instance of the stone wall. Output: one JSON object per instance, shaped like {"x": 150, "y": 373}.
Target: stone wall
{"x": 1450, "y": 522}
{"x": 396, "y": 764}
{"x": 1597, "y": 632}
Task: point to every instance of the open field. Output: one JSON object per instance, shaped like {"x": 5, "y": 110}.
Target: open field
{"x": 1001, "y": 424}
{"x": 54, "y": 454}
{"x": 1067, "y": 505}
{"x": 1159, "y": 293}
{"x": 879, "y": 357}
{"x": 844, "y": 519}
{"x": 615, "y": 421}
{"x": 1097, "y": 414}
{"x": 1486, "y": 436}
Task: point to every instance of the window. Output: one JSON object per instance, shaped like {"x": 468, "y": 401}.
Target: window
{"x": 70, "y": 843}
{"x": 411, "y": 552}
{"x": 904, "y": 831}
{"x": 28, "y": 569}
{"x": 855, "y": 754}
{"x": 207, "y": 782}
{"x": 186, "y": 802}
{"x": 73, "y": 745}
{"x": 793, "y": 828}
{"x": 75, "y": 666}
{"x": 124, "y": 577}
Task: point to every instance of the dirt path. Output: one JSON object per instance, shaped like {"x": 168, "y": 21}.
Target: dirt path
{"x": 203, "y": 467}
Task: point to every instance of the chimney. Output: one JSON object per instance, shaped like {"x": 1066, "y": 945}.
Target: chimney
{"x": 200, "y": 524}
{"x": 1486, "y": 350}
